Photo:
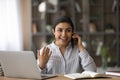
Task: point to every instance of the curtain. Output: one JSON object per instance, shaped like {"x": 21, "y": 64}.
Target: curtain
{"x": 10, "y": 26}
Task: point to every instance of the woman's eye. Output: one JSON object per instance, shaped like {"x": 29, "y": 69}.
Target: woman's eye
{"x": 69, "y": 30}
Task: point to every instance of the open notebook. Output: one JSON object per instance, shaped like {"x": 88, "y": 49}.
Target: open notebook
{"x": 85, "y": 74}
{"x": 20, "y": 64}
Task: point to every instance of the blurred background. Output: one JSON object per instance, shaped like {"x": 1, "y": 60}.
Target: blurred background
{"x": 26, "y": 25}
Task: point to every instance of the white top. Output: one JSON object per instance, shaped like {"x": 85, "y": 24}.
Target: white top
{"x": 72, "y": 62}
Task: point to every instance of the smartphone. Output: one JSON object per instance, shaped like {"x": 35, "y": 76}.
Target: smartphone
{"x": 75, "y": 41}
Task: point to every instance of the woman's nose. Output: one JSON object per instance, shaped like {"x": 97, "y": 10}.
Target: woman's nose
{"x": 64, "y": 33}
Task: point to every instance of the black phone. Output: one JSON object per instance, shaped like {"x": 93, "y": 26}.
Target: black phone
{"x": 75, "y": 41}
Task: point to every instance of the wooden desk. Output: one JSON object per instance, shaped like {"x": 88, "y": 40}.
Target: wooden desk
{"x": 61, "y": 77}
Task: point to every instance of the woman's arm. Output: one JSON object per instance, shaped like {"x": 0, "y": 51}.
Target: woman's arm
{"x": 87, "y": 61}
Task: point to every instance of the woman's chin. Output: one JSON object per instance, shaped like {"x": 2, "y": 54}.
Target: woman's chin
{"x": 64, "y": 43}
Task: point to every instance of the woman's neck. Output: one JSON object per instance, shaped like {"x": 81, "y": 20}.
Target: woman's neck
{"x": 62, "y": 48}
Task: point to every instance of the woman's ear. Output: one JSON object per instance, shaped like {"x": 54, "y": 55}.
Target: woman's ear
{"x": 53, "y": 31}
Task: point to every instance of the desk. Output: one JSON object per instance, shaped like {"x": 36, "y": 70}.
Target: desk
{"x": 61, "y": 77}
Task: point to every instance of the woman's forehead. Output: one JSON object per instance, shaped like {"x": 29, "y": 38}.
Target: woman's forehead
{"x": 63, "y": 25}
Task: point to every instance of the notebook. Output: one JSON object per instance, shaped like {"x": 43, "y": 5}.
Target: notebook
{"x": 85, "y": 74}
{"x": 21, "y": 64}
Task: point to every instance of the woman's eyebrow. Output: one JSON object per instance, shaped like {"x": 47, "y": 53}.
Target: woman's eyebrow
{"x": 64, "y": 28}
{"x": 69, "y": 28}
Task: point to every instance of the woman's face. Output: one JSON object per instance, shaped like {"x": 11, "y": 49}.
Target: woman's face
{"x": 62, "y": 33}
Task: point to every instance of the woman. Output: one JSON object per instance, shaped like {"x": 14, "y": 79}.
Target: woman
{"x": 64, "y": 56}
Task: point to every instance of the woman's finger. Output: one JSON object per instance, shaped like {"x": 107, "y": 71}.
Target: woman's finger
{"x": 44, "y": 51}
{"x": 50, "y": 53}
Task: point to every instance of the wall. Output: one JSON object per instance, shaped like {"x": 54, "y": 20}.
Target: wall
{"x": 26, "y": 23}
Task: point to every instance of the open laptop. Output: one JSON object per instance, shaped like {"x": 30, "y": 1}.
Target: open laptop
{"x": 20, "y": 64}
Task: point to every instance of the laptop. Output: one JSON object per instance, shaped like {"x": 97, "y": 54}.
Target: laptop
{"x": 21, "y": 64}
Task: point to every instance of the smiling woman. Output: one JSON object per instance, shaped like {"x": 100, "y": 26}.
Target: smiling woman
{"x": 59, "y": 56}
{"x": 10, "y": 25}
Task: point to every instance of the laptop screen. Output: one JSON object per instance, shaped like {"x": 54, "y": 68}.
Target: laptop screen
{"x": 20, "y": 64}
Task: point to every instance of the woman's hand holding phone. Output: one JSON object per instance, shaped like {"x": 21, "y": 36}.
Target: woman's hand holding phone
{"x": 79, "y": 41}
